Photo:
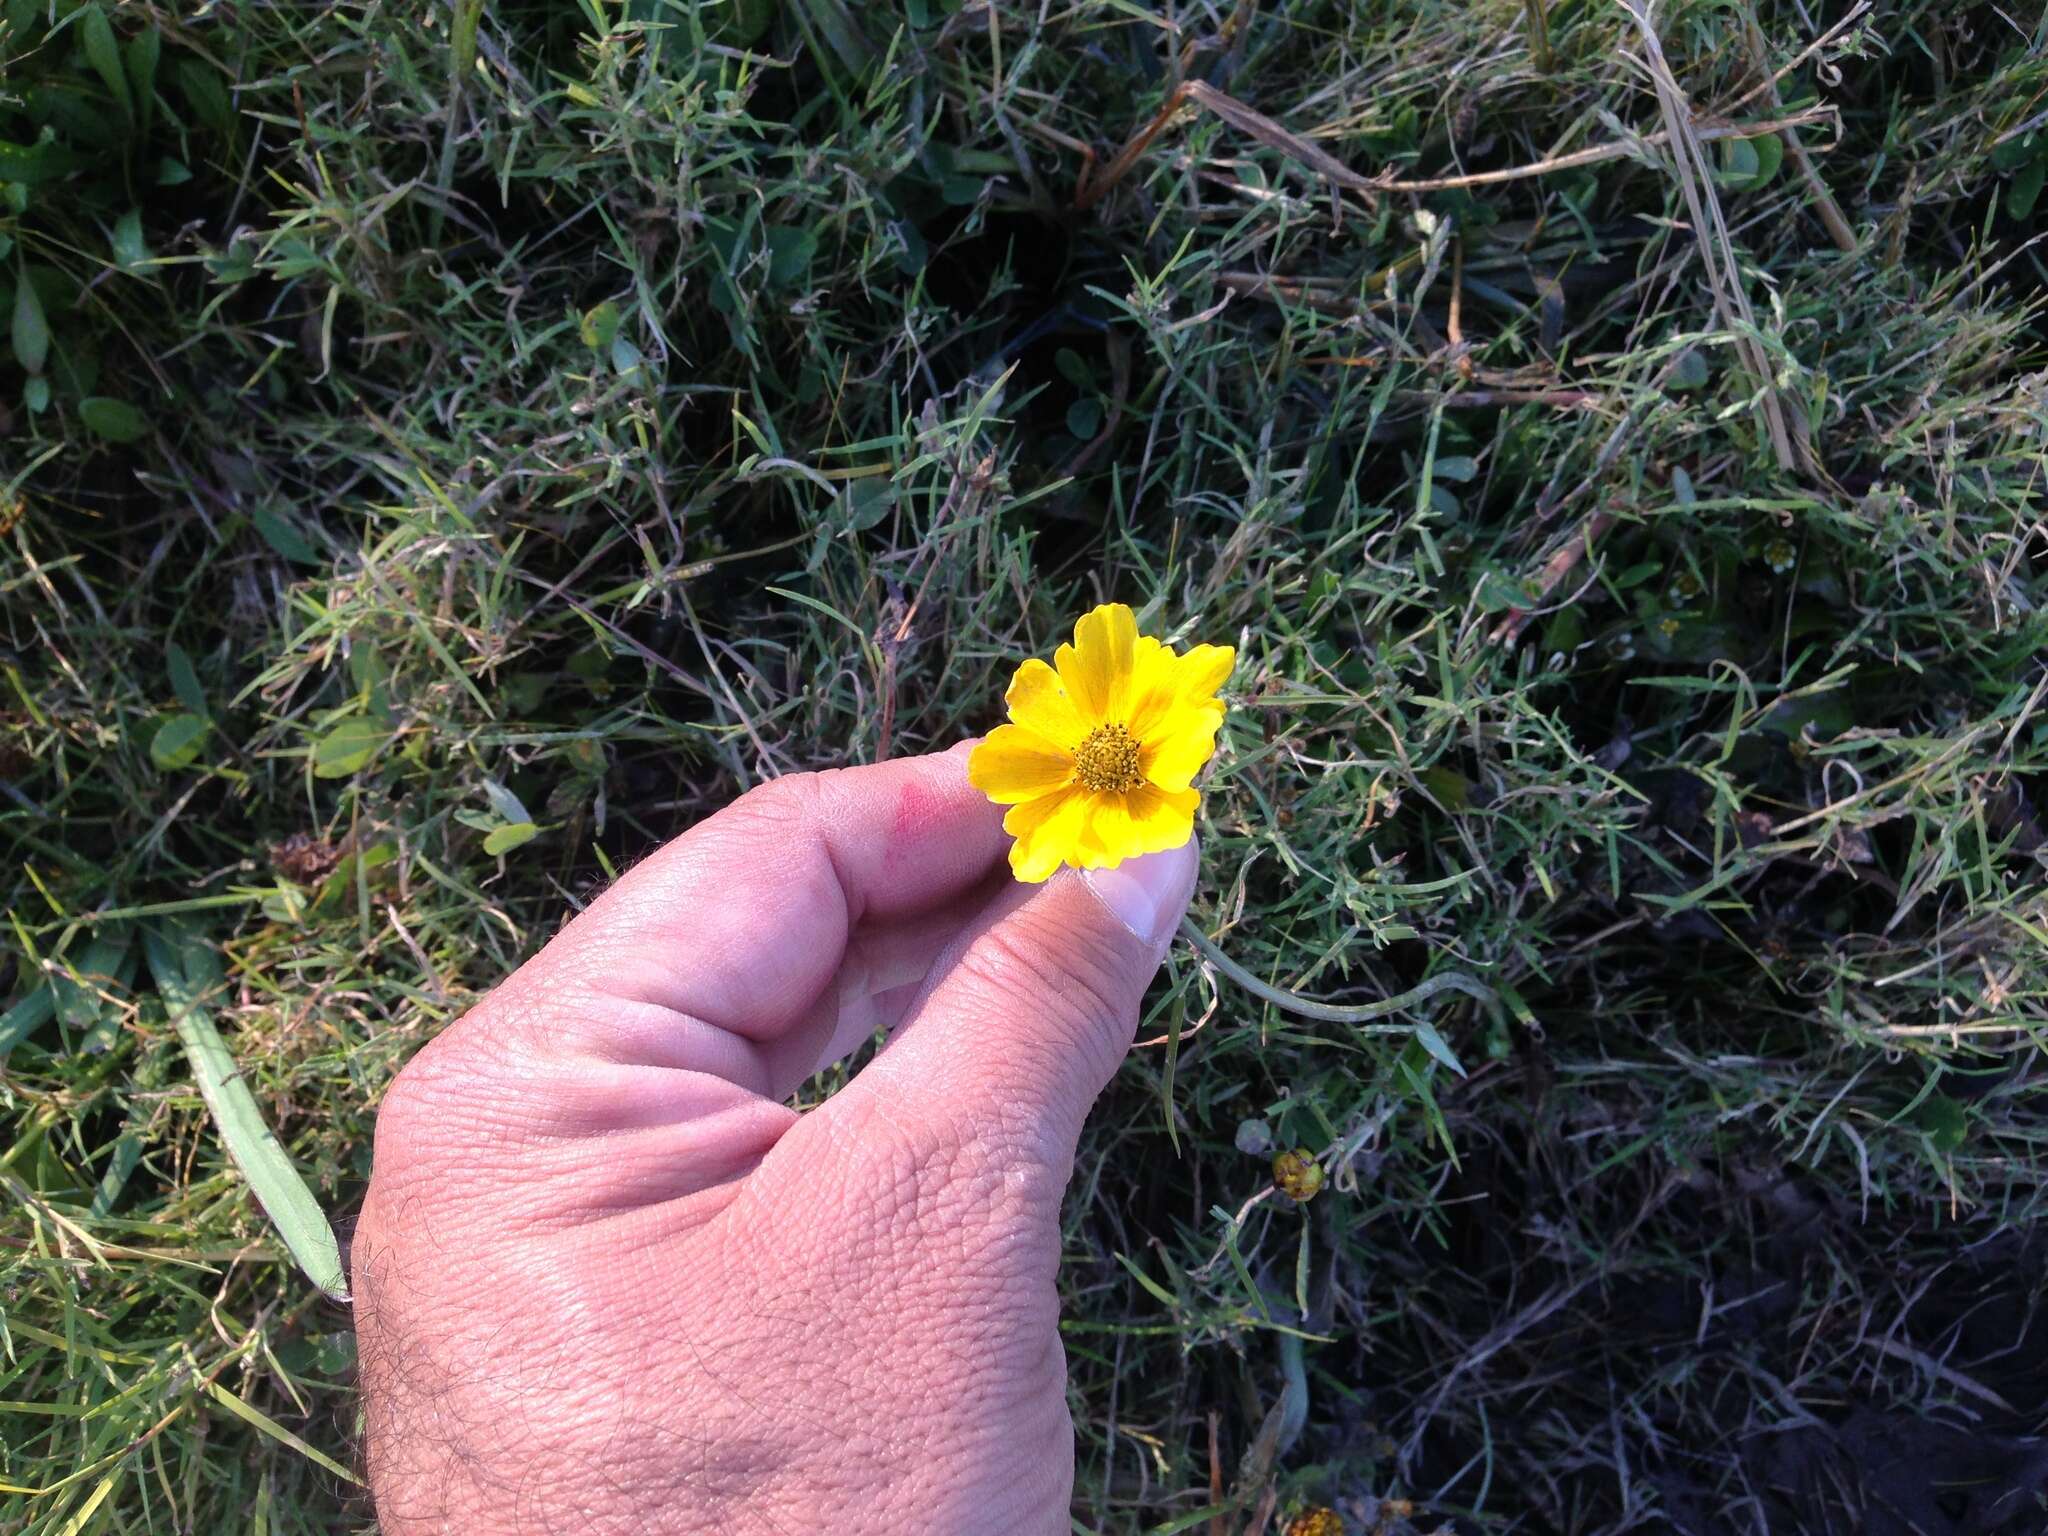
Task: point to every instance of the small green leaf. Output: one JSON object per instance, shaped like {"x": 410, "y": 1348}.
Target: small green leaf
{"x": 600, "y": 323}
{"x": 750, "y": 18}
{"x": 1688, "y": 372}
{"x": 506, "y": 838}
{"x": 31, "y": 329}
{"x": 1635, "y": 575}
{"x": 27, "y": 165}
{"x": 104, "y": 54}
{"x": 2024, "y": 188}
{"x": 790, "y": 253}
{"x": 35, "y": 394}
{"x": 115, "y": 420}
{"x": 1438, "y": 1047}
{"x": 177, "y": 741}
{"x": 140, "y": 58}
{"x": 130, "y": 249}
{"x": 203, "y": 88}
{"x": 1499, "y": 592}
{"x": 283, "y": 537}
{"x": 187, "y": 974}
{"x": 347, "y": 747}
{"x": 1084, "y": 418}
{"x": 2015, "y": 152}
{"x": 866, "y": 503}
{"x": 1450, "y": 788}
{"x": 184, "y": 678}
{"x": 1770, "y": 154}
{"x": 97, "y": 968}
{"x": 1739, "y": 163}
{"x": 508, "y": 805}
{"x": 1942, "y": 1118}
{"x": 1458, "y": 469}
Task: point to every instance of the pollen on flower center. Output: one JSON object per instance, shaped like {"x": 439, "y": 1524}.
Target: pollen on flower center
{"x": 1108, "y": 760}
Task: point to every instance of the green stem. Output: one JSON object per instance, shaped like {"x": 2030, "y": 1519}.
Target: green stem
{"x": 1539, "y": 37}
{"x": 1308, "y": 1008}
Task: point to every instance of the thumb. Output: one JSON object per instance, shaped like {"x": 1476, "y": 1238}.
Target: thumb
{"x": 1027, "y": 1015}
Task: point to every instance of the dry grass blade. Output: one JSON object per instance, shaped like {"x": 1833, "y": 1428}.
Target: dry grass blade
{"x": 1598, "y": 154}
{"x": 1710, "y": 229}
{"x": 1239, "y": 116}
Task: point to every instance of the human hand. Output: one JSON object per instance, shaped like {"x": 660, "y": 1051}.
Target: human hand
{"x": 607, "y": 1281}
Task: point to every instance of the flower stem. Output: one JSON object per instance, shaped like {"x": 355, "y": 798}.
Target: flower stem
{"x": 1308, "y": 1008}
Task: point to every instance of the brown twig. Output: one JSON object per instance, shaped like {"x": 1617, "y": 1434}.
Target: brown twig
{"x": 1216, "y": 1525}
{"x": 1727, "y": 109}
{"x": 1823, "y": 200}
{"x": 1234, "y": 112}
{"x": 1092, "y": 191}
{"x": 1560, "y": 565}
{"x": 1599, "y": 152}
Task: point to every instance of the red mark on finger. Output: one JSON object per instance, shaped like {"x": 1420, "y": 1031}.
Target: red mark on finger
{"x": 916, "y": 809}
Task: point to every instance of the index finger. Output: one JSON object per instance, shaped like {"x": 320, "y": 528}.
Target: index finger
{"x": 738, "y": 925}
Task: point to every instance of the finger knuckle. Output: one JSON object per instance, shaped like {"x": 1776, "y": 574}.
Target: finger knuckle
{"x": 793, "y": 800}
{"x": 1070, "y": 983}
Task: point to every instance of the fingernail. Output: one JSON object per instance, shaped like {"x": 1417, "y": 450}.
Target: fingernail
{"x": 1149, "y": 893}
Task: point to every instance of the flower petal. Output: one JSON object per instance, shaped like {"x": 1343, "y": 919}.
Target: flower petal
{"x": 1105, "y": 832}
{"x": 1048, "y": 832}
{"x": 1097, "y": 667}
{"x": 1204, "y": 669}
{"x": 1155, "y": 681}
{"x": 1159, "y": 819}
{"x": 1118, "y": 827}
{"x": 1013, "y": 764}
{"x": 1039, "y": 702}
{"x": 1192, "y": 678}
{"x": 1180, "y": 743}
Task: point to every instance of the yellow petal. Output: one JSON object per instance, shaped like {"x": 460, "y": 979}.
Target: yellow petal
{"x": 1048, "y": 833}
{"x": 1013, "y": 765}
{"x": 1204, "y": 669}
{"x": 1105, "y": 832}
{"x": 1180, "y": 743}
{"x": 1038, "y": 701}
{"x": 1155, "y": 683}
{"x": 1097, "y": 667}
{"x": 1189, "y": 679}
{"x": 1118, "y": 827}
{"x": 1160, "y": 819}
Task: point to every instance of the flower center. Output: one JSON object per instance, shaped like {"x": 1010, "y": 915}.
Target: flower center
{"x": 1108, "y": 760}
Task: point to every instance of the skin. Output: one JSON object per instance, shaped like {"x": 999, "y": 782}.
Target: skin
{"x": 608, "y": 1281}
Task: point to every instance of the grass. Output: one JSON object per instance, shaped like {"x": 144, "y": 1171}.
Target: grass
{"x": 451, "y": 449}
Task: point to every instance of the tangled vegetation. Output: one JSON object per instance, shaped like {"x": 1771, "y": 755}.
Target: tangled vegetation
{"x": 449, "y": 449}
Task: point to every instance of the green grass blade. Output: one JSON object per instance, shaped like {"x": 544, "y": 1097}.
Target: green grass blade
{"x": 26, "y": 1017}
{"x": 269, "y": 1426}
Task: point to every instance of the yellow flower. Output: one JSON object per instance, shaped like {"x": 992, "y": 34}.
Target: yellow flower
{"x": 1103, "y": 747}
{"x": 1297, "y": 1175}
